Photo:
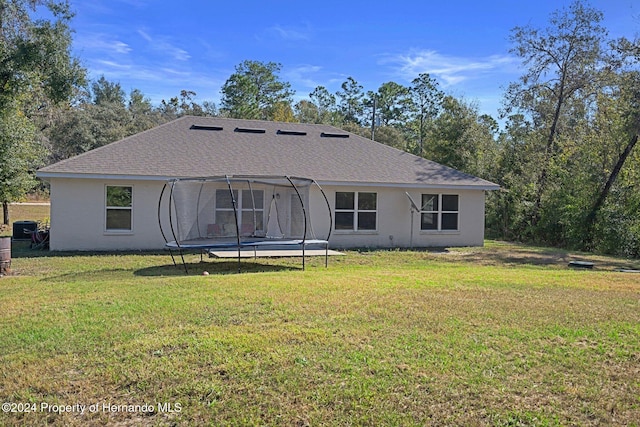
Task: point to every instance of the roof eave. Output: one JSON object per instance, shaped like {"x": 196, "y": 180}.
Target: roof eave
{"x": 486, "y": 186}
{"x": 74, "y": 175}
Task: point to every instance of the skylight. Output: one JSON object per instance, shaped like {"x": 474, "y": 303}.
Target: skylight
{"x": 202, "y": 127}
{"x": 334, "y": 135}
{"x": 290, "y": 132}
{"x": 249, "y": 130}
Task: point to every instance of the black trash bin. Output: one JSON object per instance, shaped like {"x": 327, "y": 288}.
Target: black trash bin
{"x": 22, "y": 229}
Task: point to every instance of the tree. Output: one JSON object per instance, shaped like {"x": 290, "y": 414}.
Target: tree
{"x": 306, "y": 112}
{"x": 391, "y": 136}
{"x": 184, "y": 105}
{"x": 21, "y": 153}
{"x": 627, "y": 94}
{"x": 325, "y": 103}
{"x": 36, "y": 70}
{"x": 426, "y": 99}
{"x": 142, "y": 114}
{"x": 87, "y": 127}
{"x": 350, "y": 102}
{"x": 506, "y": 209}
{"x": 101, "y": 116}
{"x": 107, "y": 93}
{"x": 282, "y": 112}
{"x": 254, "y": 90}
{"x": 463, "y": 139}
{"x": 392, "y": 102}
{"x": 563, "y": 62}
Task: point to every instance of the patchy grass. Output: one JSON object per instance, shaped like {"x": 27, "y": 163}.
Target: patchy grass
{"x": 504, "y": 335}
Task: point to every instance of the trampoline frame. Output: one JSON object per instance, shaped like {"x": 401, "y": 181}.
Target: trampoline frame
{"x": 240, "y": 242}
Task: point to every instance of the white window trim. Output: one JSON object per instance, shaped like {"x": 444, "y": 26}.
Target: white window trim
{"x": 241, "y": 209}
{"x": 439, "y": 230}
{"x": 117, "y": 232}
{"x": 355, "y": 211}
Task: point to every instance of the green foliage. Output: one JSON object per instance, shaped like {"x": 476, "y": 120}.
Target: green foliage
{"x": 36, "y": 54}
{"x": 104, "y": 115}
{"x": 118, "y": 196}
{"x": 564, "y": 63}
{"x": 37, "y": 71}
{"x": 566, "y": 161}
{"x": 461, "y": 138}
{"x": 254, "y": 90}
{"x": 426, "y": 100}
{"x": 392, "y": 104}
{"x": 83, "y": 129}
{"x": 107, "y": 93}
{"x": 617, "y": 228}
{"x": 390, "y": 136}
{"x": 21, "y": 153}
{"x": 350, "y": 101}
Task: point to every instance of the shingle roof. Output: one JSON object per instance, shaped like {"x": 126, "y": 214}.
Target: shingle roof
{"x": 205, "y": 146}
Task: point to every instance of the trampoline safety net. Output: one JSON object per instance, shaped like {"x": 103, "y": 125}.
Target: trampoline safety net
{"x": 240, "y": 211}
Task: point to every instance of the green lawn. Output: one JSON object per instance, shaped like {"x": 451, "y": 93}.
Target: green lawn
{"x": 503, "y": 335}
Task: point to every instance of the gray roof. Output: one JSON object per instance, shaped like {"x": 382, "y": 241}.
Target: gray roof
{"x": 206, "y": 146}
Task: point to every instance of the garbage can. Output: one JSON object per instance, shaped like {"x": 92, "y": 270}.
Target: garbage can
{"x": 19, "y": 228}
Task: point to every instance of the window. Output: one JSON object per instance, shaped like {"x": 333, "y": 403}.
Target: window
{"x": 439, "y": 212}
{"x": 119, "y": 204}
{"x": 356, "y": 211}
{"x": 250, "y": 206}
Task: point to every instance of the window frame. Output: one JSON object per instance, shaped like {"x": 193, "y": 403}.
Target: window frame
{"x": 355, "y": 211}
{"x": 108, "y": 208}
{"x": 440, "y": 213}
{"x": 239, "y": 195}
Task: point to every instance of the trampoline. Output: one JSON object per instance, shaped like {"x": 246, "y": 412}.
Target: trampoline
{"x": 242, "y": 211}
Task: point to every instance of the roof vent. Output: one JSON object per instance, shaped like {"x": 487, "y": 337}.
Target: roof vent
{"x": 334, "y": 135}
{"x": 201, "y": 127}
{"x": 290, "y": 132}
{"x": 249, "y": 130}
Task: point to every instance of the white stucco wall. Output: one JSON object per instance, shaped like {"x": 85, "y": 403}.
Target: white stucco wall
{"x": 78, "y": 217}
{"x": 394, "y": 220}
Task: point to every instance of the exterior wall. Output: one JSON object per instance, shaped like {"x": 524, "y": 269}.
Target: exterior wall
{"x": 394, "y": 228}
{"x": 78, "y": 218}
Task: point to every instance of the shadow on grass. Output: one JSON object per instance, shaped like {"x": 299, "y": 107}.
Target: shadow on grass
{"x": 169, "y": 270}
{"x": 212, "y": 268}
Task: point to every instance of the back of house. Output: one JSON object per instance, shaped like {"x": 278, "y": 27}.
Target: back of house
{"x": 108, "y": 198}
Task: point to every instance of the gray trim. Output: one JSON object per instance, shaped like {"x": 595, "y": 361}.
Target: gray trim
{"x": 49, "y": 175}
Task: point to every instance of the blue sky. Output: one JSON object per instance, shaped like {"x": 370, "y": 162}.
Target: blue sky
{"x": 162, "y": 47}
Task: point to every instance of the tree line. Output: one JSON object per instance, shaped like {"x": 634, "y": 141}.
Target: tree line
{"x": 565, "y": 158}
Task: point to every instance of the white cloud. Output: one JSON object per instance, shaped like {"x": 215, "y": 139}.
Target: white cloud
{"x": 103, "y": 43}
{"x": 161, "y": 44}
{"x": 303, "y": 76}
{"x": 145, "y": 36}
{"x": 452, "y": 70}
{"x": 113, "y": 64}
{"x": 291, "y": 34}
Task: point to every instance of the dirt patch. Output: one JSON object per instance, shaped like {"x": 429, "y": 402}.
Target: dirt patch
{"x": 515, "y": 254}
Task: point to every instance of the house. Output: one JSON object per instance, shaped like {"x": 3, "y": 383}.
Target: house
{"x": 107, "y": 198}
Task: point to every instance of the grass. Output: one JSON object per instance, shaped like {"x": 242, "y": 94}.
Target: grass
{"x": 25, "y": 212}
{"x": 504, "y": 335}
